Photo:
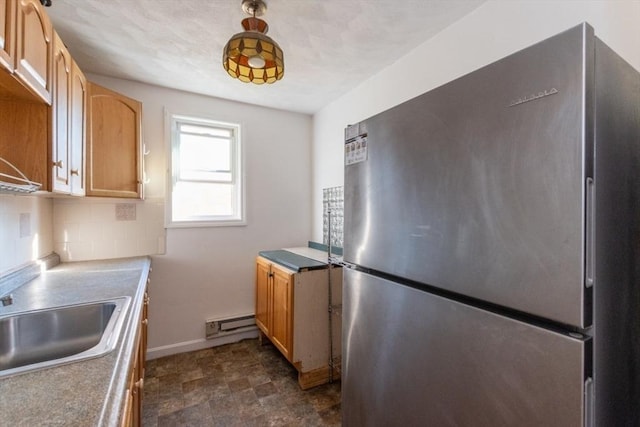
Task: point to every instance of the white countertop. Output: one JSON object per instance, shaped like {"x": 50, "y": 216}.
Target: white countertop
{"x": 314, "y": 254}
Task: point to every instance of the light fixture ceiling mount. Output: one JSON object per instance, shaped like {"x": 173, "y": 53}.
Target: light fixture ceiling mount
{"x": 252, "y": 56}
{"x": 254, "y": 7}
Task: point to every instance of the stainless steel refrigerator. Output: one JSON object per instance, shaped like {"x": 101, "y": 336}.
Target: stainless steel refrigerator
{"x": 492, "y": 239}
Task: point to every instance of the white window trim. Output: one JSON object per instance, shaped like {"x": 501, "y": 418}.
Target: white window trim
{"x": 169, "y": 118}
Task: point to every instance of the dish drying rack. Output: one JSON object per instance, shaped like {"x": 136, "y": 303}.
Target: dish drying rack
{"x": 17, "y": 184}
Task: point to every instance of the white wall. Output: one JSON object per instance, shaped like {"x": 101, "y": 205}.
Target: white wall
{"x": 494, "y": 30}
{"x": 209, "y": 272}
{"x": 21, "y": 243}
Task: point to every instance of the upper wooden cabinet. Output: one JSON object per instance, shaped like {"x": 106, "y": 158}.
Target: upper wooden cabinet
{"x": 60, "y": 147}
{"x": 33, "y": 47}
{"x": 67, "y": 123}
{"x": 77, "y": 129}
{"x": 26, "y": 46}
{"x": 47, "y": 143}
{"x": 70, "y": 136}
{"x": 114, "y": 144}
{"x": 7, "y": 19}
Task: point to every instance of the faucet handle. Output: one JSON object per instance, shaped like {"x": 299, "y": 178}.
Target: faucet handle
{"x": 7, "y": 299}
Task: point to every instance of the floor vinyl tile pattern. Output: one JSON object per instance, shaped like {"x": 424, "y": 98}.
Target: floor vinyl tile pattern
{"x": 243, "y": 384}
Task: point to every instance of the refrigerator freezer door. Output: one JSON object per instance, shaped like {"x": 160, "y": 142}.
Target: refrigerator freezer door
{"x": 415, "y": 359}
{"x": 478, "y": 186}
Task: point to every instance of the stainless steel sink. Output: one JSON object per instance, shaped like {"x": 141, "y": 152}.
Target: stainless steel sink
{"x": 49, "y": 337}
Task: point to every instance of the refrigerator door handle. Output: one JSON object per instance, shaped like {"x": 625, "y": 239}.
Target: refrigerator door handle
{"x": 589, "y": 233}
{"x": 588, "y": 403}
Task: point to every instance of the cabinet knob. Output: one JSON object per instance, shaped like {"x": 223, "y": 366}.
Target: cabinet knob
{"x": 75, "y": 172}
{"x": 145, "y": 322}
{"x": 58, "y": 164}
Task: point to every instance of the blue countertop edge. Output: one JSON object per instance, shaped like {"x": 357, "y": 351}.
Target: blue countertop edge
{"x": 288, "y": 259}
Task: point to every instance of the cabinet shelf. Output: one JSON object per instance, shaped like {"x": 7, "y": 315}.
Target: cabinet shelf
{"x": 16, "y": 184}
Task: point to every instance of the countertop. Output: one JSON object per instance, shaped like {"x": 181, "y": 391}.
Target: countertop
{"x": 292, "y": 260}
{"x": 89, "y": 392}
{"x": 298, "y": 258}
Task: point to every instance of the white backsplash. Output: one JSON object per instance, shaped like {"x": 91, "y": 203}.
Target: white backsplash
{"x": 95, "y": 228}
{"x": 25, "y": 230}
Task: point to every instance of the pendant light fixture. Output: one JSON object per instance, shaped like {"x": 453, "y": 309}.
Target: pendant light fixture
{"x": 252, "y": 56}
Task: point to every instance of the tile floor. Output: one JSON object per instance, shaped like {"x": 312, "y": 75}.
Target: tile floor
{"x": 240, "y": 384}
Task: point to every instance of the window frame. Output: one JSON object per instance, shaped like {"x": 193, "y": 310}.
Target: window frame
{"x": 173, "y": 172}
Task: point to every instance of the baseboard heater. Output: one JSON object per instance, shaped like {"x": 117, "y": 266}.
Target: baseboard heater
{"x": 230, "y": 325}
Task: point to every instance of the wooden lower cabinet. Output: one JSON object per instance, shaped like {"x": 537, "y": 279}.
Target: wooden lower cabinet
{"x": 292, "y": 312}
{"x": 282, "y": 310}
{"x": 127, "y": 416}
{"x": 263, "y": 287}
{"x": 132, "y": 412}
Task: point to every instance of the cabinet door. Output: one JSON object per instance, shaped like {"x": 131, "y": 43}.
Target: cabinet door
{"x": 145, "y": 326}
{"x": 33, "y": 47}
{"x": 263, "y": 272}
{"x": 60, "y": 154}
{"x": 282, "y": 306}
{"x": 77, "y": 108}
{"x": 6, "y": 33}
{"x": 138, "y": 387}
{"x": 127, "y": 413}
{"x": 114, "y": 149}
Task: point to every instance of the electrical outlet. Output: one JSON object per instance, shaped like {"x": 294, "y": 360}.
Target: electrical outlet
{"x": 125, "y": 212}
{"x": 25, "y": 224}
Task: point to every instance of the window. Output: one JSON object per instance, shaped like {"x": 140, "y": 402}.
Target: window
{"x": 206, "y": 173}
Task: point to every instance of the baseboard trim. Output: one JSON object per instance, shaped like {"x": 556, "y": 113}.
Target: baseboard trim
{"x": 185, "y": 346}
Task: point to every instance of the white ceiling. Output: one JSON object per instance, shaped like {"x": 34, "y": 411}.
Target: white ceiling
{"x": 330, "y": 46}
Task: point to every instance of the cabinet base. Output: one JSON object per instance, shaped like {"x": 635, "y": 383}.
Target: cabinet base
{"x": 316, "y": 377}
{"x": 262, "y": 337}
{"x": 308, "y": 379}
